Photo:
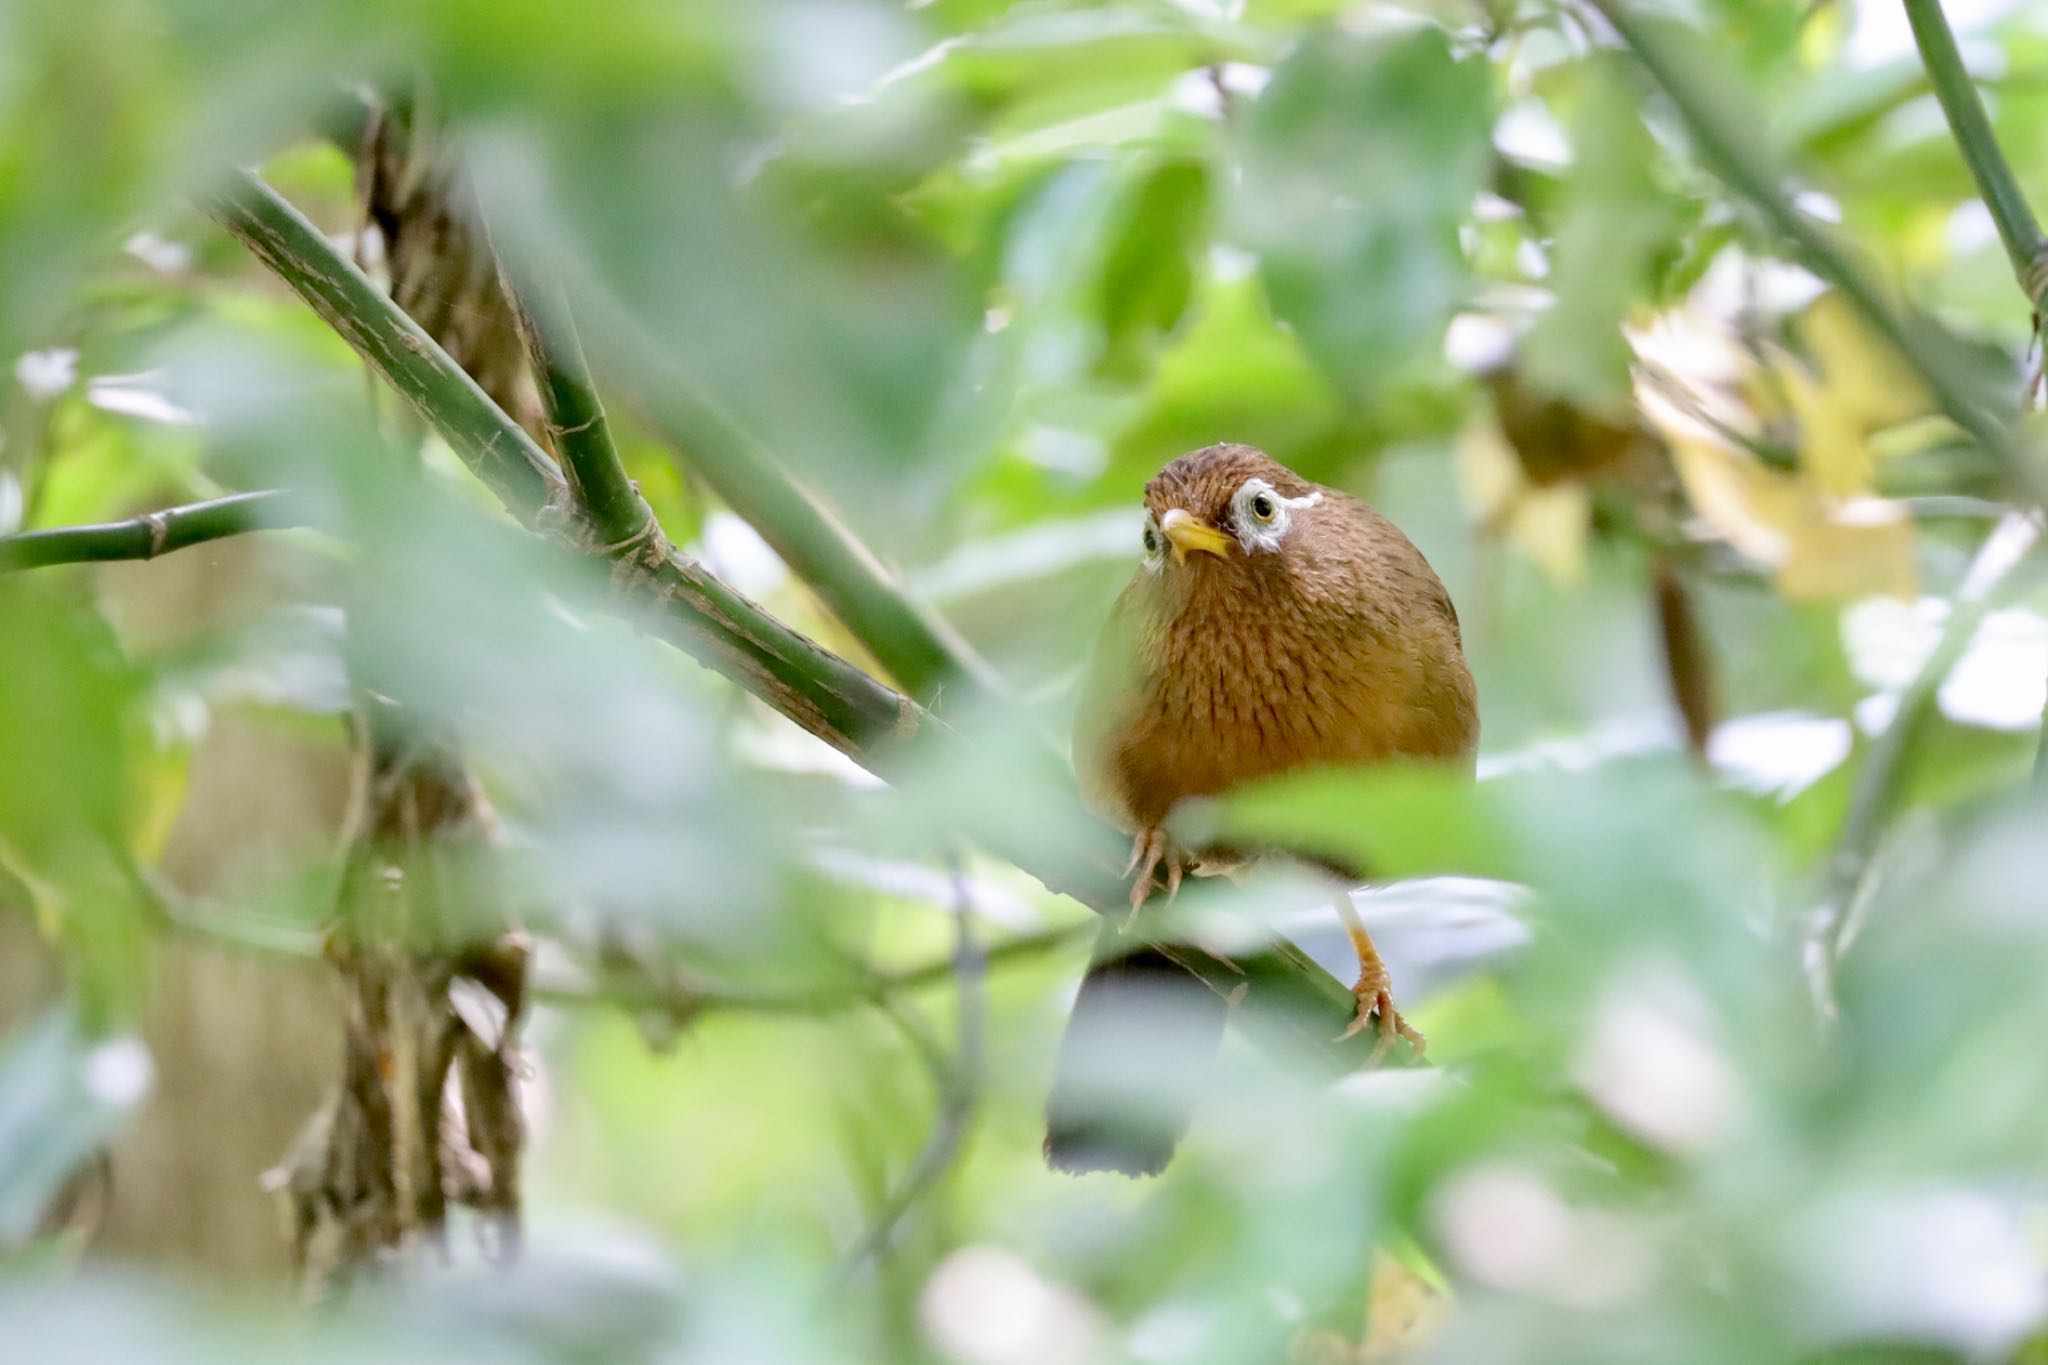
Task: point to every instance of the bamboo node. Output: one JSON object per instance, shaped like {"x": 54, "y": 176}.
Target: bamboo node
{"x": 2034, "y": 277}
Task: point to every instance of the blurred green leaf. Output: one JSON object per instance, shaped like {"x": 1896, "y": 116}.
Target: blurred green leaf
{"x": 61, "y": 1095}
{"x": 1356, "y": 165}
{"x": 64, "y": 694}
{"x": 1613, "y": 226}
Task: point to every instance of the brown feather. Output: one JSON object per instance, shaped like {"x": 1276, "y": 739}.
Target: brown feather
{"x": 1337, "y": 647}
{"x": 1341, "y": 648}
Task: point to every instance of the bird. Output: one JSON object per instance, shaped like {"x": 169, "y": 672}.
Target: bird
{"x": 1272, "y": 625}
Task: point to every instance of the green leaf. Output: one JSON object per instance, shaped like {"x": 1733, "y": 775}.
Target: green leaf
{"x": 64, "y": 693}
{"x": 1614, "y": 224}
{"x": 1357, "y": 163}
{"x": 1147, "y": 274}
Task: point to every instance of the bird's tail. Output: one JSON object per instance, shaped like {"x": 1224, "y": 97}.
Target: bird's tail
{"x": 1140, "y": 1042}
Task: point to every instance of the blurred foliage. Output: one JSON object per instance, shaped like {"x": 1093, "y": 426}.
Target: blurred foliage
{"x": 974, "y": 269}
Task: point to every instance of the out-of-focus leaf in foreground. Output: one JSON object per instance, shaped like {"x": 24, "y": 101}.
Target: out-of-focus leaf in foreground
{"x": 61, "y": 1093}
{"x": 1357, "y": 163}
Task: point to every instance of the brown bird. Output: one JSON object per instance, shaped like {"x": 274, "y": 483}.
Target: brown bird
{"x": 1274, "y": 625}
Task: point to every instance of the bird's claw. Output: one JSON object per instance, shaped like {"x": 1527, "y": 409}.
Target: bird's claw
{"x": 1148, "y": 851}
{"x": 1376, "y": 1009}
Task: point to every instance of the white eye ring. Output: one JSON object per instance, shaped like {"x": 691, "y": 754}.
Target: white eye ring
{"x": 1262, "y": 515}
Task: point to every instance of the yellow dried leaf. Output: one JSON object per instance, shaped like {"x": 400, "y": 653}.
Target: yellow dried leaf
{"x": 1823, "y": 548}
{"x": 1756, "y": 509}
{"x": 1489, "y": 476}
{"x": 1832, "y": 448}
{"x": 1855, "y": 550}
{"x": 1863, "y": 376}
{"x": 1550, "y": 526}
{"x": 1406, "y": 1311}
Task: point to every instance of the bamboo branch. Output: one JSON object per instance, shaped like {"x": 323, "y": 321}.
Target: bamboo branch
{"x": 151, "y": 534}
{"x": 1739, "y": 160}
{"x": 1288, "y": 1000}
{"x": 2025, "y": 247}
{"x": 921, "y": 651}
{"x": 917, "y": 646}
{"x": 577, "y": 423}
{"x": 817, "y": 689}
{"x": 396, "y": 347}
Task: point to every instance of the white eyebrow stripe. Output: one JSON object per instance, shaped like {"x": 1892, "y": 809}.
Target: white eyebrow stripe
{"x": 1305, "y": 500}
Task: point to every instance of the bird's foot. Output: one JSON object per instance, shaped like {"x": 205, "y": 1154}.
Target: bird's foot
{"x": 1376, "y": 1009}
{"x": 1151, "y": 851}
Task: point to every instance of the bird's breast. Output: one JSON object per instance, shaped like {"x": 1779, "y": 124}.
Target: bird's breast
{"x": 1226, "y": 692}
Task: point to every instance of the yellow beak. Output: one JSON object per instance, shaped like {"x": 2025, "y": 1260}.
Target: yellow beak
{"x": 1187, "y": 534}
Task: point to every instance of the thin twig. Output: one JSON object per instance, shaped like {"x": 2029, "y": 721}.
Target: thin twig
{"x": 175, "y": 913}
{"x": 865, "y": 986}
{"x": 2024, "y": 245}
{"x": 1676, "y": 392}
{"x": 2018, "y": 229}
{"x": 959, "y": 1094}
{"x": 1847, "y": 880}
{"x": 1739, "y": 160}
{"x": 151, "y": 534}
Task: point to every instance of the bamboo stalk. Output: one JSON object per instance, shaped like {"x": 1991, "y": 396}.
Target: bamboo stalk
{"x": 917, "y": 646}
{"x": 2024, "y": 245}
{"x": 577, "y": 423}
{"x": 149, "y": 535}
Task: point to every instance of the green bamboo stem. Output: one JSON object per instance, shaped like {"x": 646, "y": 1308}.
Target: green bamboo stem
{"x": 149, "y": 535}
{"x": 576, "y": 422}
{"x": 1739, "y": 160}
{"x": 921, "y": 650}
{"x": 2017, "y": 229}
{"x": 918, "y": 647}
{"x": 823, "y": 693}
{"x": 396, "y": 347}
{"x": 2025, "y": 247}
{"x": 1288, "y": 1001}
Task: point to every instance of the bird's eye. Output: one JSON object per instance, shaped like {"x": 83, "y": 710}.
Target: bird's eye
{"x": 1151, "y": 540}
{"x": 1263, "y": 506}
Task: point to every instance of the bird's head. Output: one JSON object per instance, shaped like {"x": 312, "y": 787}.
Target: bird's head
{"x": 1223, "y": 503}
